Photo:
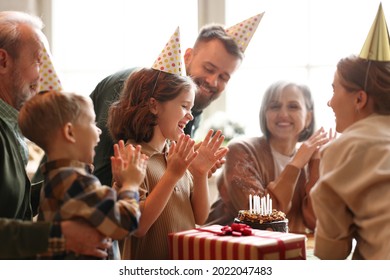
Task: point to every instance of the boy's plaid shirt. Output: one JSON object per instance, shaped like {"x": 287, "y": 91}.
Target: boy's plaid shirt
{"x": 72, "y": 192}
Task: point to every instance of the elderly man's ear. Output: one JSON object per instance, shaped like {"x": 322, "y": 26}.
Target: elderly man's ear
{"x": 4, "y": 60}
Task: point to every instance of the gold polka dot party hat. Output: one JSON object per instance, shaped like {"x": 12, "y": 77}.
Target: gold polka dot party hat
{"x": 48, "y": 79}
{"x": 242, "y": 32}
{"x": 170, "y": 59}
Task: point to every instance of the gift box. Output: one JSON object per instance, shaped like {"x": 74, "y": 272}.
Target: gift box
{"x": 207, "y": 243}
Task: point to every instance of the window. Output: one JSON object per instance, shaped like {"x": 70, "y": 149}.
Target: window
{"x": 94, "y": 38}
{"x": 298, "y": 40}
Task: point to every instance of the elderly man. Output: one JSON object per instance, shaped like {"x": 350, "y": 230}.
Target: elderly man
{"x": 21, "y": 49}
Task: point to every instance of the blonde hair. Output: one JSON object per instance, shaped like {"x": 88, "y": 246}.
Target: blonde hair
{"x": 45, "y": 113}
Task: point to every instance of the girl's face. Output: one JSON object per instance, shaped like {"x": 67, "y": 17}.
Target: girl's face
{"x": 87, "y": 134}
{"x": 342, "y": 104}
{"x": 287, "y": 116}
{"x": 173, "y": 115}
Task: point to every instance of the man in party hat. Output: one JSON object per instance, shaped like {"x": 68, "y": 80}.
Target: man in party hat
{"x": 351, "y": 197}
{"x": 214, "y": 58}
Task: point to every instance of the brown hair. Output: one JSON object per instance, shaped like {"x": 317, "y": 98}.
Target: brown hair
{"x": 130, "y": 117}
{"x": 371, "y": 76}
{"x": 217, "y": 32}
{"x": 43, "y": 114}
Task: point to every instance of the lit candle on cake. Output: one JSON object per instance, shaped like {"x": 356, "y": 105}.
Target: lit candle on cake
{"x": 250, "y": 203}
{"x": 263, "y": 206}
{"x": 257, "y": 204}
{"x": 267, "y": 205}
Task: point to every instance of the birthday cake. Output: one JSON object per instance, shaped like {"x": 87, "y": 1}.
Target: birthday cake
{"x": 275, "y": 221}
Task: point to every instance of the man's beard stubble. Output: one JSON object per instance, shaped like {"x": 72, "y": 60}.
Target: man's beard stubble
{"x": 20, "y": 93}
{"x": 202, "y": 100}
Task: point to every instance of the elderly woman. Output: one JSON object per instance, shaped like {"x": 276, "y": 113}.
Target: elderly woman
{"x": 272, "y": 164}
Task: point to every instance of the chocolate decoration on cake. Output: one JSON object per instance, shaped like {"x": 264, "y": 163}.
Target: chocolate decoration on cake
{"x": 276, "y": 221}
{"x": 262, "y": 216}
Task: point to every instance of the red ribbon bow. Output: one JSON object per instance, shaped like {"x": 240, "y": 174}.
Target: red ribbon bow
{"x": 236, "y": 229}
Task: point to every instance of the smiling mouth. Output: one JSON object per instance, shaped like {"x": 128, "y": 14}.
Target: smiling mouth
{"x": 203, "y": 86}
{"x": 205, "y": 89}
{"x": 182, "y": 126}
{"x": 34, "y": 87}
{"x": 283, "y": 124}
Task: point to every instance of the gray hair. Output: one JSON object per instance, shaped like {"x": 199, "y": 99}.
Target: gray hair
{"x": 10, "y": 35}
{"x": 276, "y": 89}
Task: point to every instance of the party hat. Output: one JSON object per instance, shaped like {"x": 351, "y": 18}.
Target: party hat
{"x": 377, "y": 44}
{"x": 242, "y": 32}
{"x": 170, "y": 59}
{"x": 48, "y": 76}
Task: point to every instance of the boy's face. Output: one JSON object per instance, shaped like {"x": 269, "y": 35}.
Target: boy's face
{"x": 87, "y": 134}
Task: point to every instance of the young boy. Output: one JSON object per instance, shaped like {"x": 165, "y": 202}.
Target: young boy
{"x": 63, "y": 125}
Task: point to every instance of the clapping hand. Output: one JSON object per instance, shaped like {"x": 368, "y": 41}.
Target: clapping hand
{"x": 128, "y": 165}
{"x": 310, "y": 148}
{"x": 180, "y": 156}
{"x": 210, "y": 154}
{"x": 217, "y": 165}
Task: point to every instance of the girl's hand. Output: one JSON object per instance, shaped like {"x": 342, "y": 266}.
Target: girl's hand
{"x": 216, "y": 166}
{"x": 180, "y": 156}
{"x": 210, "y": 153}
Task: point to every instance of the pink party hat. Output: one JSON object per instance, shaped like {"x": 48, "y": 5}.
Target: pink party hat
{"x": 242, "y": 32}
{"x": 170, "y": 60}
{"x": 48, "y": 76}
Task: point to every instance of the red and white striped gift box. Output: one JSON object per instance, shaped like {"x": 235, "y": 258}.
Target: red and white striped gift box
{"x": 205, "y": 244}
